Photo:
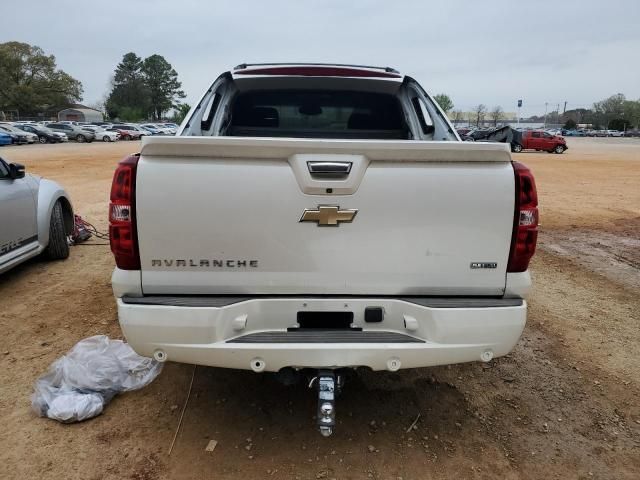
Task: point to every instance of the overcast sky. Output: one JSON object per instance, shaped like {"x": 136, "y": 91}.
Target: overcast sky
{"x": 490, "y": 52}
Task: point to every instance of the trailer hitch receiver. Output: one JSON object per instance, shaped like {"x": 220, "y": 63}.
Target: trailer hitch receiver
{"x": 329, "y": 385}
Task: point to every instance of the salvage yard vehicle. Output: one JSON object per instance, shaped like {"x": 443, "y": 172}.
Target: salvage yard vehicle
{"x": 73, "y": 132}
{"x": 45, "y": 135}
{"x": 596, "y": 133}
{"x": 127, "y": 132}
{"x": 574, "y": 133}
{"x": 101, "y": 134}
{"x": 160, "y": 128}
{"x": 135, "y": 129}
{"x": 615, "y": 133}
{"x": 539, "y": 140}
{"x": 17, "y": 137}
{"x": 5, "y": 139}
{"x": 35, "y": 214}
{"x": 151, "y": 129}
{"x": 28, "y": 136}
{"x": 332, "y": 219}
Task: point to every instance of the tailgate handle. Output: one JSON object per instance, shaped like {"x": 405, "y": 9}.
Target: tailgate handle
{"x": 329, "y": 169}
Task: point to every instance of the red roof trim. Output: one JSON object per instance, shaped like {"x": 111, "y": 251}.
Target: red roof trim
{"x": 317, "y": 72}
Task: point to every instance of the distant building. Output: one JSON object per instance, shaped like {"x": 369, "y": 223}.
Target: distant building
{"x": 80, "y": 113}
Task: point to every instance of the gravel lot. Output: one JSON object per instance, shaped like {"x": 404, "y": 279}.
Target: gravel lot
{"x": 563, "y": 404}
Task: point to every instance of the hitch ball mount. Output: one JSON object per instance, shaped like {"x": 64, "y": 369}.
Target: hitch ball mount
{"x": 328, "y": 384}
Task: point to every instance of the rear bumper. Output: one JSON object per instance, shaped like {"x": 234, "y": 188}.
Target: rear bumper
{"x": 251, "y": 333}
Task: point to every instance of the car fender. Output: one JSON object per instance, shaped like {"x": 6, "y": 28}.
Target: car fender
{"x": 49, "y": 192}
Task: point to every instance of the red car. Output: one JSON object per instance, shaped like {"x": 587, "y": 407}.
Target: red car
{"x": 126, "y": 134}
{"x": 539, "y": 140}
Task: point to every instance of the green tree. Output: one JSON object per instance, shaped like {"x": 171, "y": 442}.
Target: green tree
{"x": 129, "y": 90}
{"x": 131, "y": 114}
{"x": 608, "y": 109}
{"x": 30, "y": 82}
{"x": 619, "y": 124}
{"x": 444, "y": 101}
{"x": 631, "y": 112}
{"x": 180, "y": 112}
{"x": 162, "y": 84}
{"x": 570, "y": 124}
{"x": 578, "y": 115}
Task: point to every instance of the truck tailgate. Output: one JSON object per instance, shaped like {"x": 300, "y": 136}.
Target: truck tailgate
{"x": 221, "y": 215}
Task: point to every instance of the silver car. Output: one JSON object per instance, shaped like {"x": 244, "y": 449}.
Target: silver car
{"x": 74, "y": 132}
{"x": 29, "y": 137}
{"x": 36, "y": 217}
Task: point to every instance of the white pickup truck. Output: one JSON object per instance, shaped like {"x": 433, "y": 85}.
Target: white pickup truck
{"x": 311, "y": 218}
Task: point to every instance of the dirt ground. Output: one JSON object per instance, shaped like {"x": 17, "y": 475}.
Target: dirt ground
{"x": 564, "y": 404}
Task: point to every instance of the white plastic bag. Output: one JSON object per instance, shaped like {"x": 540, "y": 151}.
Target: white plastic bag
{"x": 79, "y": 384}
{"x": 75, "y": 407}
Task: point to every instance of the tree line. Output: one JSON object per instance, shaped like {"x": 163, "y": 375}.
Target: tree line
{"x": 31, "y": 84}
{"x": 614, "y": 113}
{"x": 480, "y": 112}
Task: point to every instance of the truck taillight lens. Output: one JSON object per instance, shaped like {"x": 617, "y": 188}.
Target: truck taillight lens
{"x": 123, "y": 234}
{"x": 525, "y": 220}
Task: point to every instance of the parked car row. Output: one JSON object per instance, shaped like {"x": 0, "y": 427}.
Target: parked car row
{"x": 468, "y": 133}
{"x": 590, "y": 133}
{"x": 539, "y": 140}
{"x": 23, "y": 133}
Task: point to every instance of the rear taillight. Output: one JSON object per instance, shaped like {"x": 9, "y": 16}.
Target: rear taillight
{"x": 525, "y": 221}
{"x": 123, "y": 232}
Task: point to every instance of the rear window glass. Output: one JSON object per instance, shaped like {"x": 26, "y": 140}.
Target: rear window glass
{"x": 325, "y": 114}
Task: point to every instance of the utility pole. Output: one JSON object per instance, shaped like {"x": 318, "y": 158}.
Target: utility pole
{"x": 558, "y": 114}
{"x": 546, "y": 104}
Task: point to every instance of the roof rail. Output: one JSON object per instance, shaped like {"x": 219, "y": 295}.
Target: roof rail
{"x": 242, "y": 66}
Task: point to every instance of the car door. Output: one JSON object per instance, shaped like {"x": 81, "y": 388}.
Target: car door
{"x": 61, "y": 128}
{"x": 30, "y": 129}
{"x": 548, "y": 142}
{"x": 535, "y": 141}
{"x": 19, "y": 233}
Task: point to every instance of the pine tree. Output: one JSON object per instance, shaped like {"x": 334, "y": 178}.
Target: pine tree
{"x": 129, "y": 93}
{"x": 163, "y": 85}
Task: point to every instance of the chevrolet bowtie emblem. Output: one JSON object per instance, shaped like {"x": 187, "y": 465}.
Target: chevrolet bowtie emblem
{"x": 328, "y": 215}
